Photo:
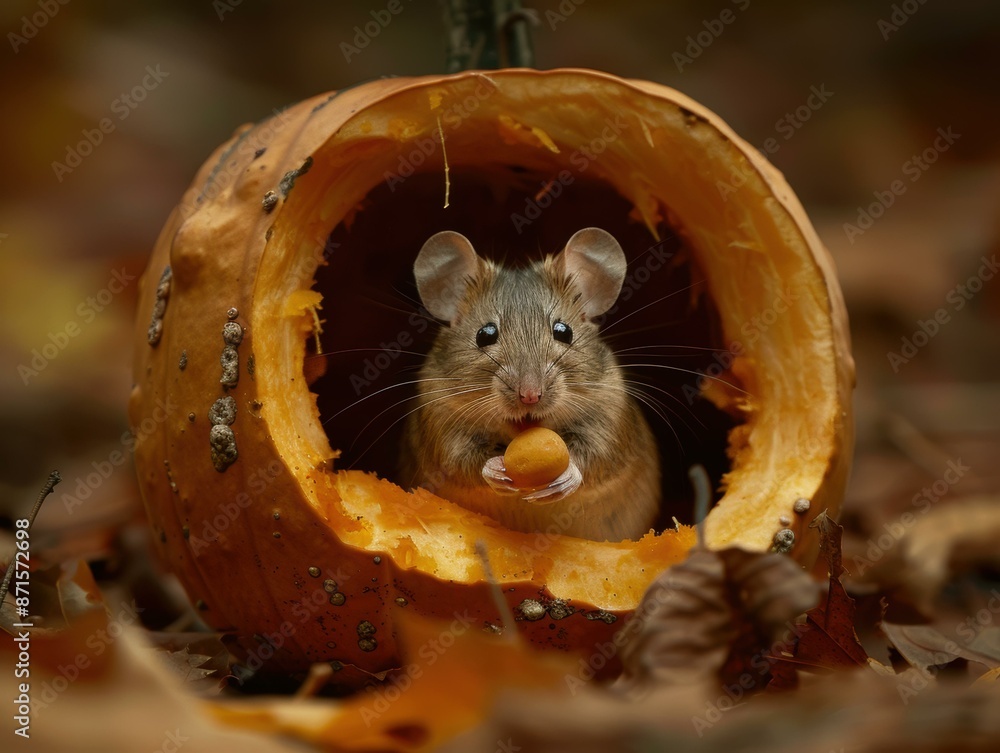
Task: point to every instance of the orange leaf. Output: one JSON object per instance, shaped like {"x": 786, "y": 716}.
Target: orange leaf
{"x": 459, "y": 673}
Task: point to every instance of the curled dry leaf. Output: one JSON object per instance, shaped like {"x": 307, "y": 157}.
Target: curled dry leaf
{"x": 936, "y": 546}
{"x": 773, "y": 589}
{"x": 924, "y": 647}
{"x": 685, "y": 627}
{"x": 714, "y": 617}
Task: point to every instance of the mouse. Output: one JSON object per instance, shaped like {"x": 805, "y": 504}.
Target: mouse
{"x": 520, "y": 347}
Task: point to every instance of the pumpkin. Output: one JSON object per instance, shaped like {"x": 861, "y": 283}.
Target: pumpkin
{"x": 280, "y": 536}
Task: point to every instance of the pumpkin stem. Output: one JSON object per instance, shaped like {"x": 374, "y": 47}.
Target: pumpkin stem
{"x": 488, "y": 34}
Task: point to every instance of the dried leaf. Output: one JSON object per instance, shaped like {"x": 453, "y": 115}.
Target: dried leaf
{"x": 716, "y": 617}
{"x": 685, "y": 627}
{"x": 860, "y": 712}
{"x": 94, "y": 684}
{"x": 988, "y": 678}
{"x": 830, "y": 535}
{"x": 942, "y": 542}
{"x": 772, "y": 588}
{"x": 187, "y": 666}
{"x": 828, "y": 639}
{"x": 923, "y": 646}
{"x": 449, "y": 691}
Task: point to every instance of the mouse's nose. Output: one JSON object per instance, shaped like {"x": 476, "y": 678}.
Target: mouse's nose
{"x": 529, "y": 395}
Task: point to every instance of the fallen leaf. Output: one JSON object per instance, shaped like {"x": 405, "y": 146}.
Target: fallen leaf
{"x": 828, "y": 640}
{"x": 940, "y": 544}
{"x": 418, "y": 709}
{"x": 187, "y": 666}
{"x": 987, "y": 678}
{"x": 95, "y": 684}
{"x": 772, "y": 589}
{"x": 923, "y": 646}
{"x": 685, "y": 628}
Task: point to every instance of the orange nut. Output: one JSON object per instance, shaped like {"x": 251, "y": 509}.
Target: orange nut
{"x": 536, "y": 457}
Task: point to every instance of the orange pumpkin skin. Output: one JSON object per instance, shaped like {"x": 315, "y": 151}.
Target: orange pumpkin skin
{"x": 306, "y": 563}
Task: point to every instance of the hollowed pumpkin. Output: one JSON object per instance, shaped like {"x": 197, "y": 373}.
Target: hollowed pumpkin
{"x": 304, "y": 561}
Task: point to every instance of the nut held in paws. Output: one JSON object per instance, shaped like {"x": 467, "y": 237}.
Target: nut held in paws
{"x": 536, "y": 457}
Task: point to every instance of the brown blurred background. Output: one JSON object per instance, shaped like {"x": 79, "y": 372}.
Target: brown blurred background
{"x": 849, "y": 92}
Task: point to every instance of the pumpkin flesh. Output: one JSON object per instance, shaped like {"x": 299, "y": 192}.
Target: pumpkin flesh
{"x": 261, "y": 562}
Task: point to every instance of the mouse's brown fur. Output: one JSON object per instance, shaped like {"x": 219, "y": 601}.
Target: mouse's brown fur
{"x": 470, "y": 408}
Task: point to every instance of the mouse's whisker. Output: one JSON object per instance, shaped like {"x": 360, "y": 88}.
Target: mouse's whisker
{"x": 449, "y": 390}
{"x": 391, "y": 387}
{"x": 328, "y": 353}
{"x": 405, "y": 415}
{"x": 653, "y": 303}
{"x": 636, "y": 387}
{"x": 699, "y": 374}
{"x": 652, "y": 405}
{"x": 645, "y": 350}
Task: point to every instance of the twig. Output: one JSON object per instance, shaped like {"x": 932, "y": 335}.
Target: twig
{"x": 50, "y": 484}
{"x": 506, "y": 615}
{"x": 702, "y": 499}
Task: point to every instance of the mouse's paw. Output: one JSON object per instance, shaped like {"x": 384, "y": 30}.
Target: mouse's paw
{"x": 562, "y": 487}
{"x": 495, "y": 474}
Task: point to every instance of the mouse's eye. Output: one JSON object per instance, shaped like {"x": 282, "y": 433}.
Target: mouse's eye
{"x": 562, "y": 332}
{"x": 487, "y": 335}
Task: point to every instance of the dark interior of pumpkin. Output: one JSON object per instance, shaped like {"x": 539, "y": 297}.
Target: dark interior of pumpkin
{"x": 664, "y": 327}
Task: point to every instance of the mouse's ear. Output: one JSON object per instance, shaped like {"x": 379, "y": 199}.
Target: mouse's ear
{"x": 595, "y": 263}
{"x": 443, "y": 269}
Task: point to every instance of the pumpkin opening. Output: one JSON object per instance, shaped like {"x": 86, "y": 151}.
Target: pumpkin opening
{"x": 375, "y": 333}
{"x": 285, "y": 532}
